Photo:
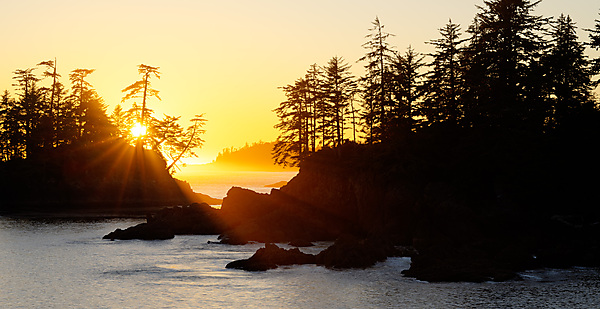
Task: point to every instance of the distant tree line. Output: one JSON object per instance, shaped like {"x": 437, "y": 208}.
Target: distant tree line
{"x": 512, "y": 70}
{"x": 41, "y": 118}
{"x": 250, "y": 157}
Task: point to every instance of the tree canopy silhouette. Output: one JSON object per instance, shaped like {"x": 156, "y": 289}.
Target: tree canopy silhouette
{"x": 164, "y": 136}
{"x": 513, "y": 70}
{"x": 143, "y": 88}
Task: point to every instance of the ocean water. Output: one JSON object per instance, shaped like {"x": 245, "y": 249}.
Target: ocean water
{"x": 67, "y": 264}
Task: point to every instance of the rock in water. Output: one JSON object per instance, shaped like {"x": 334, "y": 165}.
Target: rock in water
{"x": 143, "y": 231}
{"x": 195, "y": 219}
{"x": 272, "y": 256}
{"x": 349, "y": 252}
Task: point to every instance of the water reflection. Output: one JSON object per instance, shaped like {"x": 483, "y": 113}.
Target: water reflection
{"x": 67, "y": 264}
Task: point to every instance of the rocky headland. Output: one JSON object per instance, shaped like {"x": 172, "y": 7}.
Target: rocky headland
{"x": 470, "y": 205}
{"x": 103, "y": 179}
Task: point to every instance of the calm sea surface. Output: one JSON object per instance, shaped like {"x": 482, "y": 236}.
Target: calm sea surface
{"x": 66, "y": 264}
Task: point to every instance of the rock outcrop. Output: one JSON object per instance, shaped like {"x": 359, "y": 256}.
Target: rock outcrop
{"x": 271, "y": 256}
{"x": 274, "y": 217}
{"x": 349, "y": 252}
{"x": 345, "y": 253}
{"x": 195, "y": 219}
{"x": 476, "y": 205}
{"x": 143, "y": 231}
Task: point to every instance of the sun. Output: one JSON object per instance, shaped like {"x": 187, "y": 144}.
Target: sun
{"x": 138, "y": 130}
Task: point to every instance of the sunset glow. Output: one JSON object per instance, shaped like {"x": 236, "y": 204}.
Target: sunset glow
{"x": 138, "y": 130}
{"x": 226, "y": 60}
{"x": 300, "y": 154}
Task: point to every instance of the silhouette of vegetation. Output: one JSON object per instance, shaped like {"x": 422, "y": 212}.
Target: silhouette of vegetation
{"x": 142, "y": 88}
{"x": 480, "y": 156}
{"x": 594, "y": 35}
{"x": 250, "y": 157}
{"x": 61, "y": 144}
{"x": 444, "y": 83}
{"x": 41, "y": 118}
{"x": 515, "y": 70}
{"x": 376, "y": 83}
{"x": 164, "y": 136}
{"x": 316, "y": 112}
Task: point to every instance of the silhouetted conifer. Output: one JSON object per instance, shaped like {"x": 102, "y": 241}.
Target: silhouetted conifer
{"x": 377, "y": 82}
{"x": 28, "y": 111}
{"x": 92, "y": 122}
{"x": 166, "y": 137}
{"x": 594, "y": 35}
{"x": 406, "y": 90}
{"x": 339, "y": 87}
{"x": 143, "y": 89}
{"x": 51, "y": 96}
{"x": 569, "y": 73}
{"x": 292, "y": 144}
{"x": 11, "y": 138}
{"x": 317, "y": 110}
{"x": 444, "y": 84}
{"x": 503, "y": 53}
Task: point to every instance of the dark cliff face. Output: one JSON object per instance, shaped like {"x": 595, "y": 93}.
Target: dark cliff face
{"x": 337, "y": 192}
{"x": 362, "y": 194}
{"x": 275, "y": 217}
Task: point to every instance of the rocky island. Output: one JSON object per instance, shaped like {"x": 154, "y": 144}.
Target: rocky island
{"x": 109, "y": 178}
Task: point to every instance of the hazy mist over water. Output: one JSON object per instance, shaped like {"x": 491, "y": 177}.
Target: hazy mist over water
{"x": 66, "y": 264}
{"x": 216, "y": 183}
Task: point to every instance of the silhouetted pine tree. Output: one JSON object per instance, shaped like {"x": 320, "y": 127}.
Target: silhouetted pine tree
{"x": 316, "y": 109}
{"x": 569, "y": 73}
{"x": 185, "y": 144}
{"x": 377, "y": 82}
{"x": 93, "y": 123}
{"x": 444, "y": 84}
{"x": 49, "y": 113}
{"x": 142, "y": 89}
{"x": 66, "y": 117}
{"x": 28, "y": 109}
{"x": 406, "y": 90}
{"x": 503, "y": 54}
{"x": 338, "y": 88}
{"x": 292, "y": 144}
{"x": 12, "y": 141}
{"x": 166, "y": 137}
{"x": 594, "y": 35}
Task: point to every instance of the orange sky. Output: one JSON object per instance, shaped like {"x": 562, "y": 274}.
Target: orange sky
{"x": 221, "y": 58}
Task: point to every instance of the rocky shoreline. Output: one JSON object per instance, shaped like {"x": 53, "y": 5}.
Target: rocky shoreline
{"x": 471, "y": 206}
